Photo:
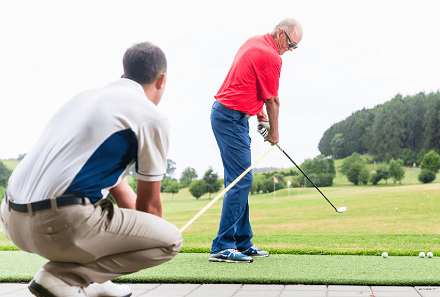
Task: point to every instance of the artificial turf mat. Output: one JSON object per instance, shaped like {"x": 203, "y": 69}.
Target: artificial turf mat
{"x": 275, "y": 269}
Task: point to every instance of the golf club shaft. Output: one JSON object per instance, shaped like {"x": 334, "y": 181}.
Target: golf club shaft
{"x": 224, "y": 191}
{"x": 306, "y": 176}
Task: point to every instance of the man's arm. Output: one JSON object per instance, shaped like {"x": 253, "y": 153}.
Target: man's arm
{"x": 273, "y": 109}
{"x": 147, "y": 200}
{"x": 124, "y": 195}
{"x": 148, "y": 197}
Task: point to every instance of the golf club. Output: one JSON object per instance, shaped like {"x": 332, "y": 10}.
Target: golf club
{"x": 263, "y": 131}
{"x": 224, "y": 191}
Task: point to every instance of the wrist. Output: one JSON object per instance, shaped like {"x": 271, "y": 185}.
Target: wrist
{"x": 262, "y": 117}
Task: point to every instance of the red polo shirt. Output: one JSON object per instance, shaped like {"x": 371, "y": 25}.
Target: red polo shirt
{"x": 253, "y": 77}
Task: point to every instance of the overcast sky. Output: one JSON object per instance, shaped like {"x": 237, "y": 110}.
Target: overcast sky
{"x": 354, "y": 54}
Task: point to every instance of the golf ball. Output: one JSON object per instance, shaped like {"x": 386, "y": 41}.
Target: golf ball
{"x": 384, "y": 255}
{"x": 422, "y": 255}
{"x": 430, "y": 255}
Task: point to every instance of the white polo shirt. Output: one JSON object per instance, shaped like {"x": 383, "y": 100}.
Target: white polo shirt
{"x": 90, "y": 144}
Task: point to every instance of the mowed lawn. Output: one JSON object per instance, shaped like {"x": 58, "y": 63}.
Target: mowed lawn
{"x": 400, "y": 219}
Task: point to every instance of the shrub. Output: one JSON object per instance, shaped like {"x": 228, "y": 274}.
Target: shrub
{"x": 355, "y": 158}
{"x": 364, "y": 175}
{"x": 396, "y": 171}
{"x": 383, "y": 172}
{"x": 354, "y": 171}
{"x": 426, "y": 176}
{"x": 5, "y": 173}
{"x": 431, "y": 161}
{"x": 269, "y": 185}
{"x": 375, "y": 178}
{"x": 320, "y": 180}
{"x": 197, "y": 188}
{"x": 409, "y": 157}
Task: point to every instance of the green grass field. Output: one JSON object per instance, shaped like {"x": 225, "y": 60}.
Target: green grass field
{"x": 276, "y": 269}
{"x": 310, "y": 243}
{"x": 400, "y": 219}
{"x": 11, "y": 164}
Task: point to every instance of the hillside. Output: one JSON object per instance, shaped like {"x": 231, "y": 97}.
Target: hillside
{"x": 405, "y": 128}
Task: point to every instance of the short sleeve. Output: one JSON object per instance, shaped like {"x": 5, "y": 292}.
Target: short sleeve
{"x": 268, "y": 77}
{"x": 153, "y": 143}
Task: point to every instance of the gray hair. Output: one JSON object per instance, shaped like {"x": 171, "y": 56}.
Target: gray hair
{"x": 143, "y": 62}
{"x": 288, "y": 25}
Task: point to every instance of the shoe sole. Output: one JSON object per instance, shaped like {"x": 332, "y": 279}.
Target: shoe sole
{"x": 39, "y": 291}
{"x": 229, "y": 261}
{"x": 258, "y": 256}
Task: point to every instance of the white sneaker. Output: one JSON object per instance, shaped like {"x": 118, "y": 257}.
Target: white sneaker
{"x": 108, "y": 289}
{"x": 45, "y": 284}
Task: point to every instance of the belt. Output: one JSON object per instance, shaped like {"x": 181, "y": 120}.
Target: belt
{"x": 247, "y": 115}
{"x": 61, "y": 201}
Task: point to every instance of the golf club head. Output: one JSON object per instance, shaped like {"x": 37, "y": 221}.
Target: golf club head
{"x": 342, "y": 209}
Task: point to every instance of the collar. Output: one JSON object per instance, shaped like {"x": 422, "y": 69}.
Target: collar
{"x": 271, "y": 41}
{"x": 130, "y": 83}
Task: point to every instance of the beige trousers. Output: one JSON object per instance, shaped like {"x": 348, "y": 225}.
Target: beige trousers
{"x": 92, "y": 243}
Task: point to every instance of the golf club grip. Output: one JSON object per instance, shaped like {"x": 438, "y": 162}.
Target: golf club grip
{"x": 224, "y": 191}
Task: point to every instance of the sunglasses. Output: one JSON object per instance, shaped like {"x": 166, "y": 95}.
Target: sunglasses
{"x": 291, "y": 44}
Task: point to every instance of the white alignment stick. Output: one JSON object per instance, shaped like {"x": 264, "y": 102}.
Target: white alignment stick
{"x": 224, "y": 191}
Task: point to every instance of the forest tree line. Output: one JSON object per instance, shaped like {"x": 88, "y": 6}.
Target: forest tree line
{"x": 405, "y": 128}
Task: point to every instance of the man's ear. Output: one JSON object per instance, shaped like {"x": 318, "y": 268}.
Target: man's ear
{"x": 160, "y": 81}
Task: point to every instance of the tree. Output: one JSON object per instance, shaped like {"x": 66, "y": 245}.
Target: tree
{"x": 212, "y": 183}
{"x": 269, "y": 184}
{"x": 409, "y": 157}
{"x": 354, "y": 171}
{"x": 339, "y": 146}
{"x": 375, "y": 178}
{"x": 396, "y": 171}
{"x": 383, "y": 172}
{"x": 171, "y": 167}
{"x": 432, "y": 131}
{"x": 420, "y": 155}
{"x": 431, "y": 161}
{"x": 364, "y": 175}
{"x": 188, "y": 175}
{"x": 172, "y": 187}
{"x": 349, "y": 161}
{"x": 258, "y": 183}
{"x": 165, "y": 182}
{"x": 5, "y": 173}
{"x": 426, "y": 176}
{"x": 321, "y": 168}
{"x": 197, "y": 188}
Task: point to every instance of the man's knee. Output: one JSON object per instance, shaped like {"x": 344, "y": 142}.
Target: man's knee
{"x": 247, "y": 180}
{"x": 175, "y": 242}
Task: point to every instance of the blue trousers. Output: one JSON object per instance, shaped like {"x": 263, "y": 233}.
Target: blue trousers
{"x": 231, "y": 130}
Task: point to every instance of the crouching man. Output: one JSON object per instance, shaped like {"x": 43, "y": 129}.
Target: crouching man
{"x": 55, "y": 205}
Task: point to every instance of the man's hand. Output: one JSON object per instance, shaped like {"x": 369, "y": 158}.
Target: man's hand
{"x": 263, "y": 120}
{"x": 265, "y": 124}
{"x": 273, "y": 108}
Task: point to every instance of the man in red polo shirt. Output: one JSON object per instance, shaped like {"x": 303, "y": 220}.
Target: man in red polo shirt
{"x": 252, "y": 83}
